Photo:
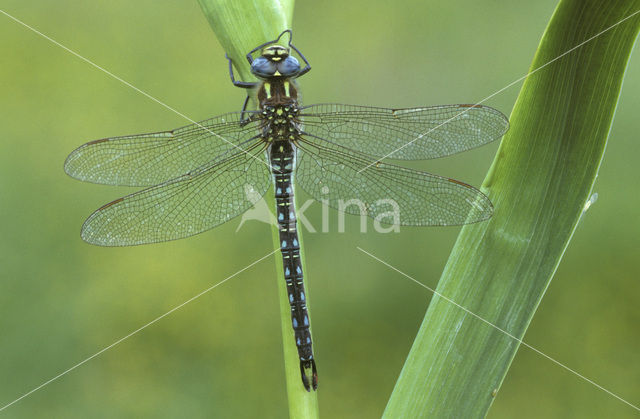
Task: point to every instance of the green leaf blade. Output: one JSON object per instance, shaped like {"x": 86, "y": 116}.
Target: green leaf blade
{"x": 539, "y": 182}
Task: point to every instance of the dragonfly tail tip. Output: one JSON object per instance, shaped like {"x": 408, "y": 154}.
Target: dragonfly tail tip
{"x": 314, "y": 375}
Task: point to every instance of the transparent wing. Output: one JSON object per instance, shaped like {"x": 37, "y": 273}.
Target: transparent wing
{"x": 182, "y": 207}
{"x": 406, "y": 134}
{"x": 389, "y": 193}
{"x": 149, "y": 159}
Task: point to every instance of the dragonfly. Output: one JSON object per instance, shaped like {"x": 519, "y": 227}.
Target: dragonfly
{"x": 196, "y": 177}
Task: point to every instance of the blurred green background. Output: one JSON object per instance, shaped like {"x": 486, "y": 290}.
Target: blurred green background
{"x": 62, "y": 300}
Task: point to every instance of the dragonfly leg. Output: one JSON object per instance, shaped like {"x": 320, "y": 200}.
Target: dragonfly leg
{"x": 241, "y": 84}
{"x": 243, "y": 119}
{"x": 314, "y": 374}
{"x": 250, "y": 54}
{"x": 307, "y": 67}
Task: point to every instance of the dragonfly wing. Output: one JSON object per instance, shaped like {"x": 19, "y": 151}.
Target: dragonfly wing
{"x": 388, "y": 193}
{"x": 405, "y": 134}
{"x": 150, "y": 159}
{"x": 182, "y": 207}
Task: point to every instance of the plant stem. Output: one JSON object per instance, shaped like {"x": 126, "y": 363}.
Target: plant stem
{"x": 240, "y": 26}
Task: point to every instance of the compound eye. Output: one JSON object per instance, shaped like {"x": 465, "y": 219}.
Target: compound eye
{"x": 262, "y": 67}
{"x": 289, "y": 67}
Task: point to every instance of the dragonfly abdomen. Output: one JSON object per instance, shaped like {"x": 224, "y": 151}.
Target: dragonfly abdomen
{"x": 282, "y": 159}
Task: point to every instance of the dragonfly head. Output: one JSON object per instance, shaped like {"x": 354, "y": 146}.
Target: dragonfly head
{"x": 275, "y": 61}
{"x": 275, "y": 52}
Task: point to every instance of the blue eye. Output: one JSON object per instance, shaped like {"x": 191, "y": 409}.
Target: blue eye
{"x": 289, "y": 67}
{"x": 262, "y": 67}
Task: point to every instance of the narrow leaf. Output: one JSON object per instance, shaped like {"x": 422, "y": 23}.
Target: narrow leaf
{"x": 539, "y": 182}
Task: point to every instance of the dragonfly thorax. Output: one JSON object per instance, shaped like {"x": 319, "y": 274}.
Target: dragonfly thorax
{"x": 281, "y": 123}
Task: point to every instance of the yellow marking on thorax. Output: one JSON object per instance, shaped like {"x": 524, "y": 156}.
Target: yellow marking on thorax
{"x": 286, "y": 88}
{"x": 267, "y": 89}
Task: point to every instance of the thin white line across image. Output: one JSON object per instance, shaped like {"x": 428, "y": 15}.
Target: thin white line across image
{"x": 131, "y": 86}
{"x": 106, "y": 348}
{"x": 499, "y": 91}
{"x": 520, "y": 341}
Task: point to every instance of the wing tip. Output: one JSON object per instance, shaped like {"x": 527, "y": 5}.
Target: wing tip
{"x": 74, "y": 160}
{"x": 503, "y": 118}
{"x": 481, "y": 209}
{"x": 68, "y": 165}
